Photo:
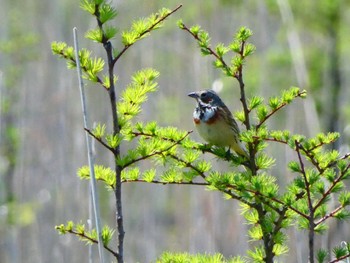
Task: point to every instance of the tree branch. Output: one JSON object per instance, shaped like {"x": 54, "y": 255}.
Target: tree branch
{"x": 300, "y": 94}
{"x": 84, "y": 69}
{"x": 210, "y": 50}
{"x": 156, "y": 152}
{"x": 331, "y": 214}
{"x": 100, "y": 140}
{"x": 328, "y": 192}
{"x": 164, "y": 182}
{"x": 312, "y": 158}
{"x": 340, "y": 258}
{"x": 126, "y": 47}
{"x": 83, "y": 236}
{"x": 311, "y": 209}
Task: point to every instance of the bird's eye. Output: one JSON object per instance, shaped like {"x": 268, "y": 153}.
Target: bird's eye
{"x": 204, "y": 95}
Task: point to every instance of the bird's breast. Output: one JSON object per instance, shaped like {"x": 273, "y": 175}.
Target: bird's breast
{"x": 206, "y": 115}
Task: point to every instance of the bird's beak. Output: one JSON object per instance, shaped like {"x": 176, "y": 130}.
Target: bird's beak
{"x": 194, "y": 95}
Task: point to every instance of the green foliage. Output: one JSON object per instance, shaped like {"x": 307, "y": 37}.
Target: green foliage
{"x": 239, "y": 47}
{"x": 141, "y": 28}
{"x": 279, "y": 249}
{"x": 254, "y": 102}
{"x": 340, "y": 251}
{"x": 62, "y": 50}
{"x": 265, "y": 111}
{"x": 91, "y": 67}
{"x": 87, "y": 236}
{"x": 132, "y": 98}
{"x": 321, "y": 255}
{"x": 99, "y": 131}
{"x": 318, "y": 174}
{"x": 105, "y": 174}
{"x": 257, "y": 255}
{"x": 168, "y": 257}
{"x": 243, "y": 34}
{"x": 104, "y": 12}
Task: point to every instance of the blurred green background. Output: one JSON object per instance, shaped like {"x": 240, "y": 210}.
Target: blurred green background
{"x": 42, "y": 144}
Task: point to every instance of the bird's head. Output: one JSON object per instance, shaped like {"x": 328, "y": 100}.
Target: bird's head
{"x": 207, "y": 97}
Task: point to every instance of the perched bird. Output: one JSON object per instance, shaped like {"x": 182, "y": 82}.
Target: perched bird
{"x": 215, "y": 122}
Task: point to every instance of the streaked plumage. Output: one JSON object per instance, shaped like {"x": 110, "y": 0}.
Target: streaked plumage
{"x": 215, "y": 122}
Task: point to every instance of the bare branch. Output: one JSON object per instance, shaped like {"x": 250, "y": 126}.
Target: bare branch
{"x": 331, "y": 214}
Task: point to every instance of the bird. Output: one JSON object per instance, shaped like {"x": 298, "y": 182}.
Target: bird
{"x": 215, "y": 123}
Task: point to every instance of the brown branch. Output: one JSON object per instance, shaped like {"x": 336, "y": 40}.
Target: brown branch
{"x": 311, "y": 235}
{"x": 345, "y": 156}
{"x": 340, "y": 258}
{"x": 210, "y": 50}
{"x": 98, "y": 79}
{"x": 327, "y": 193}
{"x": 270, "y": 114}
{"x": 312, "y": 158}
{"x": 277, "y": 201}
{"x": 239, "y": 76}
{"x": 100, "y": 140}
{"x": 156, "y": 152}
{"x": 228, "y": 192}
{"x": 189, "y": 165}
{"x": 115, "y": 254}
{"x": 277, "y": 109}
{"x": 151, "y": 135}
{"x": 126, "y": 47}
{"x": 331, "y": 214}
{"x": 164, "y": 182}
{"x": 307, "y": 185}
{"x": 247, "y": 190}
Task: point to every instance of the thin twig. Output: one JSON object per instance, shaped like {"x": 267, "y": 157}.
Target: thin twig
{"x": 340, "y": 258}
{"x": 285, "y": 205}
{"x": 100, "y": 140}
{"x": 164, "y": 182}
{"x": 331, "y": 214}
{"x": 155, "y": 152}
{"x": 211, "y": 51}
{"x": 327, "y": 193}
{"x": 151, "y": 135}
{"x": 98, "y": 79}
{"x": 277, "y": 109}
{"x": 312, "y": 159}
{"x": 148, "y": 30}
{"x": 239, "y": 77}
{"x": 93, "y": 241}
{"x": 345, "y": 156}
{"x": 200, "y": 173}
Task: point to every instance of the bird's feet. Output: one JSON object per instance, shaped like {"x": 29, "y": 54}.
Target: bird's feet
{"x": 204, "y": 147}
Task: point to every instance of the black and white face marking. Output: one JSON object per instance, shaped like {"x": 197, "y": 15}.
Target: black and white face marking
{"x": 204, "y": 112}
